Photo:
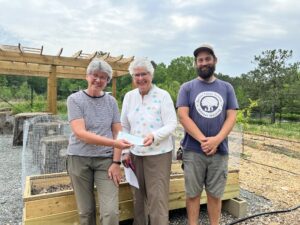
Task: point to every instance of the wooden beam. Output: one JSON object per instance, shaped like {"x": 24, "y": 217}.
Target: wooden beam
{"x": 52, "y": 91}
{"x": 54, "y": 60}
{"x": 126, "y": 60}
{"x": 24, "y": 66}
{"x": 104, "y": 56}
{"x": 120, "y": 73}
{"x": 22, "y": 73}
{"x": 30, "y": 69}
{"x": 93, "y": 55}
{"x": 77, "y": 54}
{"x": 20, "y": 48}
{"x": 59, "y": 52}
{"x": 114, "y": 59}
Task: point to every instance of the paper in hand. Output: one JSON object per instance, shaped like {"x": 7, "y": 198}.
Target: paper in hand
{"x": 131, "y": 177}
{"x": 135, "y": 140}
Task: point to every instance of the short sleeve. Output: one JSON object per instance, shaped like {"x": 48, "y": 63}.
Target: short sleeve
{"x": 116, "y": 114}
{"x": 183, "y": 96}
{"x": 74, "y": 110}
{"x": 232, "y": 100}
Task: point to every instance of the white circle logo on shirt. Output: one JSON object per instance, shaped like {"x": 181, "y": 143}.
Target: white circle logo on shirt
{"x": 209, "y": 104}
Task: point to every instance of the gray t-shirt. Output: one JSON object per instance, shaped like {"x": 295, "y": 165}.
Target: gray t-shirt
{"x": 207, "y": 104}
{"x": 99, "y": 113}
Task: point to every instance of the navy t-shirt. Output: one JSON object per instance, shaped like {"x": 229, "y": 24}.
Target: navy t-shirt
{"x": 208, "y": 103}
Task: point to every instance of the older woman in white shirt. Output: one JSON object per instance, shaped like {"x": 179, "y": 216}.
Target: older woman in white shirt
{"x": 148, "y": 112}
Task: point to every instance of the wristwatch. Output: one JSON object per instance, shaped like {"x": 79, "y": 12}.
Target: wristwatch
{"x": 117, "y": 162}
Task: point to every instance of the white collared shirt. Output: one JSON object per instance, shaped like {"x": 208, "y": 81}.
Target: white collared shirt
{"x": 154, "y": 113}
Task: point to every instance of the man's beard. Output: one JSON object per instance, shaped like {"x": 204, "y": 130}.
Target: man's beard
{"x": 207, "y": 73}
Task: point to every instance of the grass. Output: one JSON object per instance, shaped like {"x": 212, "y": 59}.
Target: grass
{"x": 39, "y": 105}
{"x": 287, "y": 130}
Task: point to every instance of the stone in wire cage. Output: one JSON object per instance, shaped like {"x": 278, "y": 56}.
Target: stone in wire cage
{"x": 45, "y": 141}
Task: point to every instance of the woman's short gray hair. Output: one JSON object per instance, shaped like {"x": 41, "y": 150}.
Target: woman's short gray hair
{"x": 99, "y": 65}
{"x": 141, "y": 62}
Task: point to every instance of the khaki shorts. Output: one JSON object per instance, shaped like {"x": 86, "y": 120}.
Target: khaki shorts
{"x": 201, "y": 170}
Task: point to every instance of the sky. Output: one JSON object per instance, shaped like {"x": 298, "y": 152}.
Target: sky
{"x": 161, "y": 30}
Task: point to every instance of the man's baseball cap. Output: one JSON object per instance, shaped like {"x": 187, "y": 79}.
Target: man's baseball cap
{"x": 204, "y": 48}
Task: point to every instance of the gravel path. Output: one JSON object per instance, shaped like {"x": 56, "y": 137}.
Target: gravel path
{"x": 10, "y": 182}
{"x": 11, "y": 196}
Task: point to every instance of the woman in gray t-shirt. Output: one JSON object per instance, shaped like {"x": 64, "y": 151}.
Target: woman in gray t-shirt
{"x": 93, "y": 151}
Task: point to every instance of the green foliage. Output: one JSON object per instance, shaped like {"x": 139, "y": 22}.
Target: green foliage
{"x": 62, "y": 107}
{"x": 285, "y": 130}
{"x": 37, "y": 84}
{"x": 244, "y": 114}
{"x": 181, "y": 69}
{"x": 289, "y": 117}
{"x": 23, "y": 92}
{"x": 3, "y": 81}
{"x": 65, "y": 87}
{"x": 25, "y": 106}
{"x": 272, "y": 74}
{"x": 172, "y": 88}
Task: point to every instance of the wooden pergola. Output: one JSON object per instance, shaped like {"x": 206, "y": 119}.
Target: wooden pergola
{"x": 27, "y": 61}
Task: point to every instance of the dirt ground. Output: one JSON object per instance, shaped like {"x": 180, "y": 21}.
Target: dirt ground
{"x": 271, "y": 168}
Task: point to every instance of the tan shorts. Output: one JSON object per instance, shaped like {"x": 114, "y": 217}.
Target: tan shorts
{"x": 201, "y": 170}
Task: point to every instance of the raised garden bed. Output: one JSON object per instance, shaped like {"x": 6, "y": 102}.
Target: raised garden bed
{"x": 55, "y": 204}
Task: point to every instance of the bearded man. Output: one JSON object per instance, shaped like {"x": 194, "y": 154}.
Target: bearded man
{"x": 207, "y": 109}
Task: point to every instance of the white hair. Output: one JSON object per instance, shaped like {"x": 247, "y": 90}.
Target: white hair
{"x": 141, "y": 62}
{"x": 99, "y": 65}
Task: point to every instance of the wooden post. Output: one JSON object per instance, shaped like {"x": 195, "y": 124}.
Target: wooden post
{"x": 52, "y": 90}
{"x": 114, "y": 86}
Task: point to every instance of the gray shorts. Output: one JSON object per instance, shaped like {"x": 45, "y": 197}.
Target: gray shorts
{"x": 201, "y": 170}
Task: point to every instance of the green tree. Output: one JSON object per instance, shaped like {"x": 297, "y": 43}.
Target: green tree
{"x": 181, "y": 69}
{"x": 272, "y": 69}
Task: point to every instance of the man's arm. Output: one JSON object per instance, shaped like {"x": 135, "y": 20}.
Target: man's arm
{"x": 212, "y": 143}
{"x": 189, "y": 125}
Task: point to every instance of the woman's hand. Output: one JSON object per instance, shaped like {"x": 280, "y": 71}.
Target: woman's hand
{"x": 148, "y": 140}
{"x": 122, "y": 144}
{"x": 127, "y": 161}
{"x": 114, "y": 173}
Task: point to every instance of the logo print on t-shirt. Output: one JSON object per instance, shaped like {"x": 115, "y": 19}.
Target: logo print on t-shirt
{"x": 209, "y": 104}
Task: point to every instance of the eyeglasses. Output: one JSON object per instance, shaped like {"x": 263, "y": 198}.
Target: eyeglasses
{"x": 140, "y": 74}
{"x": 95, "y": 77}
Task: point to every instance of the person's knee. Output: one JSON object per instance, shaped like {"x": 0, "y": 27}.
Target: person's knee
{"x": 109, "y": 210}
{"x": 193, "y": 198}
{"x": 87, "y": 217}
{"x": 213, "y": 198}
{"x": 87, "y": 211}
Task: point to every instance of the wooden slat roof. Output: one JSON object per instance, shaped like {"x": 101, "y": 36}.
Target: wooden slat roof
{"x": 20, "y": 60}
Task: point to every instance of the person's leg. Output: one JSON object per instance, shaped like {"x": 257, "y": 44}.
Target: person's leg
{"x": 83, "y": 184}
{"x": 139, "y": 195}
{"x": 108, "y": 192}
{"x": 214, "y": 209}
{"x": 157, "y": 181}
{"x": 215, "y": 186}
{"x": 192, "y": 208}
{"x": 194, "y": 175}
